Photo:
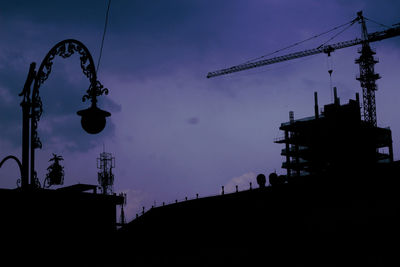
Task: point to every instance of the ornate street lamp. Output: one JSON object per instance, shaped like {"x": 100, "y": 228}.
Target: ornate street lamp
{"x": 93, "y": 119}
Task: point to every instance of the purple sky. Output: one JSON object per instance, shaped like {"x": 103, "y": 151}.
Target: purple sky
{"x": 173, "y": 132}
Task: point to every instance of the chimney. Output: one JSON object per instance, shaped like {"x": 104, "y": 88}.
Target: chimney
{"x": 336, "y": 99}
{"x": 316, "y": 105}
{"x": 358, "y": 99}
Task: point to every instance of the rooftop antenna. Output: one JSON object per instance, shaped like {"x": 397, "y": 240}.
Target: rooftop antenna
{"x": 105, "y": 177}
{"x": 122, "y": 218}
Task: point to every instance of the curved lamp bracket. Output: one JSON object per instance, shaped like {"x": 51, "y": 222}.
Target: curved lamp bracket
{"x": 64, "y": 49}
{"x": 14, "y": 158}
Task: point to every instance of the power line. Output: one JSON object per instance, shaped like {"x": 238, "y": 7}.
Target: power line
{"x": 333, "y": 37}
{"x": 104, "y": 34}
{"x": 380, "y": 24}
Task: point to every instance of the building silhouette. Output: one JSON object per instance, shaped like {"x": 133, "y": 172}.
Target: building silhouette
{"x": 334, "y": 140}
{"x": 337, "y": 205}
{"x": 72, "y": 224}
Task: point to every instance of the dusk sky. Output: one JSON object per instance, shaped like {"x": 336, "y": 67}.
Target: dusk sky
{"x": 173, "y": 132}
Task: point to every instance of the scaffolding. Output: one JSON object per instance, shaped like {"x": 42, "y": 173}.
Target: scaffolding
{"x": 335, "y": 140}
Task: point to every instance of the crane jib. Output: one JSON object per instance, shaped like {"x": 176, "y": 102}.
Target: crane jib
{"x": 373, "y": 37}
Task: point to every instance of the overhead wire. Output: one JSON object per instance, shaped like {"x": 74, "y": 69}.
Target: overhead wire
{"x": 329, "y": 58}
{"x": 380, "y": 24}
{"x": 295, "y": 44}
{"x": 104, "y": 34}
{"x": 333, "y": 37}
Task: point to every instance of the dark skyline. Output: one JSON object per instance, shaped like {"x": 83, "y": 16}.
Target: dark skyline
{"x": 173, "y": 132}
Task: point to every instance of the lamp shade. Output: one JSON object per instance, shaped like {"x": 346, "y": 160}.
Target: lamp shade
{"x": 93, "y": 119}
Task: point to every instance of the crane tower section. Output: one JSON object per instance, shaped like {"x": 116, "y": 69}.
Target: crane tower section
{"x": 106, "y": 163}
{"x": 367, "y": 76}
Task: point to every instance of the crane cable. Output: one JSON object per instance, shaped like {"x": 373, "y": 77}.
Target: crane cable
{"x": 104, "y": 34}
{"x": 313, "y": 37}
{"x": 380, "y": 24}
{"x": 329, "y": 64}
{"x": 333, "y": 37}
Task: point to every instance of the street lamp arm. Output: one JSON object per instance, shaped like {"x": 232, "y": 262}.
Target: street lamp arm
{"x": 64, "y": 49}
{"x": 14, "y": 158}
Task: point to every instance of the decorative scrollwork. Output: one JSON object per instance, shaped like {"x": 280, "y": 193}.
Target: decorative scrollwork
{"x": 64, "y": 49}
{"x": 37, "y": 107}
{"x": 95, "y": 91}
{"x": 36, "y": 143}
{"x": 37, "y": 110}
{"x": 36, "y": 180}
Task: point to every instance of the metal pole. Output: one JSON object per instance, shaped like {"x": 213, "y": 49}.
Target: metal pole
{"x": 316, "y": 111}
{"x": 25, "y": 144}
{"x": 26, "y": 104}
{"x": 32, "y": 169}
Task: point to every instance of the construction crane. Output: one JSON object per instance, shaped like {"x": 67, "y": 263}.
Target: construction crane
{"x": 366, "y": 61}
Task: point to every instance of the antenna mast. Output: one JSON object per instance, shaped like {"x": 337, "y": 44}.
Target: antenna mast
{"x": 105, "y": 177}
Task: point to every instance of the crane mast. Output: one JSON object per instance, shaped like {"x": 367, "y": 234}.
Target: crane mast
{"x": 367, "y": 76}
{"x": 366, "y": 62}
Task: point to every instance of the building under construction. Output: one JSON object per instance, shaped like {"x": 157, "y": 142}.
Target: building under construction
{"x": 334, "y": 140}
{"x": 337, "y": 205}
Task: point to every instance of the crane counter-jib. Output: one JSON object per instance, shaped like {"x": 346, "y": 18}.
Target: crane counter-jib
{"x": 373, "y": 37}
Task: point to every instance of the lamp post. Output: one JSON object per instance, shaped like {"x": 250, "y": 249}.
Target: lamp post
{"x": 93, "y": 119}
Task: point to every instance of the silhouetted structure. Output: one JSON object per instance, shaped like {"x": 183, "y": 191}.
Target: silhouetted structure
{"x": 68, "y": 223}
{"x": 38, "y": 224}
{"x": 55, "y": 175}
{"x": 339, "y": 205}
{"x": 366, "y": 61}
{"x": 335, "y": 140}
{"x": 93, "y": 119}
{"x": 315, "y": 220}
{"x": 106, "y": 163}
{"x": 344, "y": 194}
